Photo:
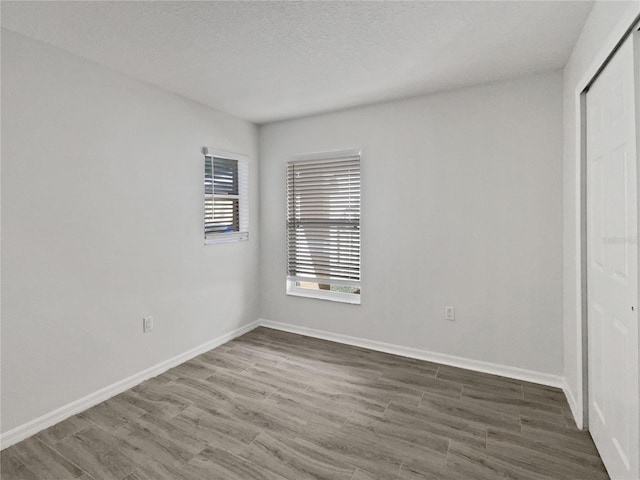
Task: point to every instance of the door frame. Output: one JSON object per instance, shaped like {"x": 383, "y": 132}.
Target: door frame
{"x": 623, "y": 30}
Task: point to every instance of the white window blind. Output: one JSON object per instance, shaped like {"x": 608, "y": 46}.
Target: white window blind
{"x": 323, "y": 220}
{"x": 226, "y": 215}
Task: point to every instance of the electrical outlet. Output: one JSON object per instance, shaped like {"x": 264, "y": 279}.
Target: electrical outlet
{"x": 449, "y": 313}
{"x": 147, "y": 324}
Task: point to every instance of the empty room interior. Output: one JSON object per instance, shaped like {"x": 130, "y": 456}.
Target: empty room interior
{"x": 331, "y": 240}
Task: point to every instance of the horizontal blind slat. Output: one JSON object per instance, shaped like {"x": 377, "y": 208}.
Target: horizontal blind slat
{"x": 310, "y": 278}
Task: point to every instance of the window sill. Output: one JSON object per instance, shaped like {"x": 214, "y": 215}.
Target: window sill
{"x": 226, "y": 238}
{"x": 340, "y": 297}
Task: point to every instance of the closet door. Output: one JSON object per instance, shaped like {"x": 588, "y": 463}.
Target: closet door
{"x": 612, "y": 264}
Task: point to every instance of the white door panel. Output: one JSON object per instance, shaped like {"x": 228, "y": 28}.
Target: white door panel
{"x": 612, "y": 265}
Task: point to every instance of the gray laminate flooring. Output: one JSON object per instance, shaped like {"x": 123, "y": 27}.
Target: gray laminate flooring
{"x": 273, "y": 405}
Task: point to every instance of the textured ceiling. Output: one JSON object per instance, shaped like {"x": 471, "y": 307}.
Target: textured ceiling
{"x": 266, "y": 61}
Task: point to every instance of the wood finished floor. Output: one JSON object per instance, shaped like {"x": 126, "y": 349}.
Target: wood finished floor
{"x": 272, "y": 405}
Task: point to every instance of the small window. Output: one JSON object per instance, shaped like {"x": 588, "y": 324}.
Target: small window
{"x": 323, "y": 227}
{"x": 226, "y": 212}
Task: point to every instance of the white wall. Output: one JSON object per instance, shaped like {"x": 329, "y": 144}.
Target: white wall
{"x": 102, "y": 224}
{"x": 603, "y": 29}
{"x": 461, "y": 205}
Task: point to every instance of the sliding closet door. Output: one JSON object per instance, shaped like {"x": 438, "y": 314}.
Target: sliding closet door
{"x": 612, "y": 264}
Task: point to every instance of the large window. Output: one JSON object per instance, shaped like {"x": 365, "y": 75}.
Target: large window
{"x": 323, "y": 227}
{"x": 226, "y": 209}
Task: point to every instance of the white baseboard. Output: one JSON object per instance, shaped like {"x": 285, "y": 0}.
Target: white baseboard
{"x": 576, "y": 408}
{"x": 469, "y": 364}
{"x": 32, "y": 427}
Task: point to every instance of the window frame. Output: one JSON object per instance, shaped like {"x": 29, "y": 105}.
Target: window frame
{"x": 290, "y": 286}
{"x": 243, "y": 198}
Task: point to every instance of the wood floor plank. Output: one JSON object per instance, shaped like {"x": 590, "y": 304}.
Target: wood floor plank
{"x": 228, "y": 360}
{"x": 273, "y": 405}
{"x": 542, "y": 457}
{"x": 159, "y": 409}
{"x": 215, "y": 430}
{"x": 426, "y": 383}
{"x": 513, "y": 405}
{"x": 424, "y": 467}
{"x": 443, "y": 424}
{"x": 112, "y": 414}
{"x": 43, "y": 461}
{"x": 471, "y": 464}
{"x": 317, "y": 372}
{"x": 218, "y": 464}
{"x": 153, "y": 436}
{"x": 378, "y": 392}
{"x": 362, "y": 475}
{"x": 563, "y": 437}
{"x": 64, "y": 429}
{"x": 368, "y": 452}
{"x": 98, "y": 453}
{"x": 305, "y": 407}
{"x": 194, "y": 368}
{"x": 241, "y": 385}
{"x": 472, "y": 412}
{"x": 263, "y": 416}
{"x": 297, "y": 459}
{"x": 159, "y": 400}
{"x": 256, "y": 356}
{"x": 482, "y": 381}
{"x": 395, "y": 430}
{"x": 247, "y": 340}
{"x": 12, "y": 468}
{"x": 544, "y": 394}
{"x": 199, "y": 392}
{"x": 277, "y": 378}
{"x": 349, "y": 399}
{"x": 160, "y": 471}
